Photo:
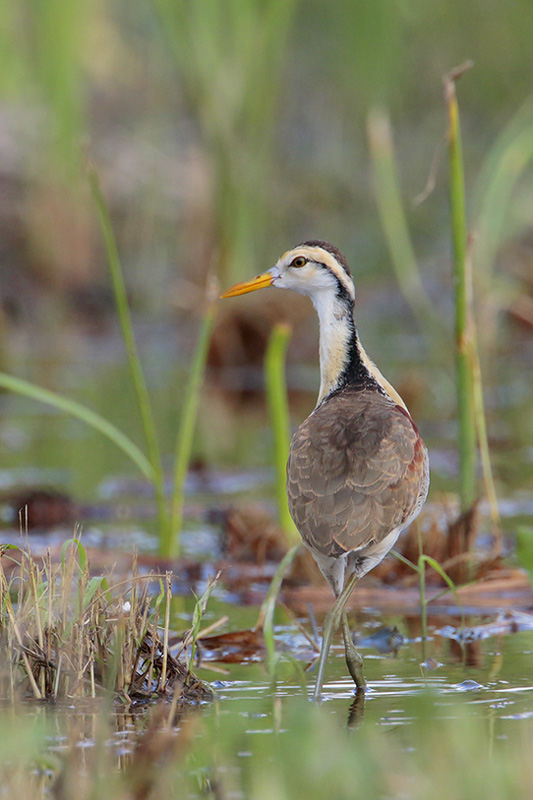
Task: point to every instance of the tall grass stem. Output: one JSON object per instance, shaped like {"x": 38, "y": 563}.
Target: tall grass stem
{"x": 484, "y": 449}
{"x": 139, "y": 382}
{"x": 394, "y": 223}
{"x": 170, "y": 544}
{"x": 464, "y": 332}
{"x": 268, "y": 607}
{"x": 278, "y": 406}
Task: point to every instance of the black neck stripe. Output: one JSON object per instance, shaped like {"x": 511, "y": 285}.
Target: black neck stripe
{"x": 355, "y": 373}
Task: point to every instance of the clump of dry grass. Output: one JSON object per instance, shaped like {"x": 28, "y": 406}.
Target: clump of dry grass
{"x": 67, "y": 634}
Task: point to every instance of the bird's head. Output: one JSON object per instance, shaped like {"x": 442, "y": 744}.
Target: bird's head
{"x": 310, "y": 268}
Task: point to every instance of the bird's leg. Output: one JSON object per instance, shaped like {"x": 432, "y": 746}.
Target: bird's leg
{"x": 354, "y": 659}
{"x": 327, "y": 633}
{"x": 331, "y": 623}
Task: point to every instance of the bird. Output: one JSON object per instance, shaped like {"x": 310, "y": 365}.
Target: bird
{"x": 358, "y": 469}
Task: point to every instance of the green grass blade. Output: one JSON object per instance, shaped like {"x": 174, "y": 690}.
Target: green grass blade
{"x": 93, "y": 585}
{"x": 198, "y": 614}
{"x": 404, "y": 560}
{"x": 524, "y": 549}
{"x": 423, "y": 602}
{"x": 434, "y": 564}
{"x": 509, "y": 158}
{"x": 269, "y": 606}
{"x": 463, "y": 305}
{"x": 170, "y": 545}
{"x": 74, "y": 544}
{"x": 484, "y": 449}
{"x": 393, "y": 221}
{"x": 276, "y": 391}
{"x": 82, "y": 413}
{"x": 472, "y": 419}
{"x": 139, "y": 383}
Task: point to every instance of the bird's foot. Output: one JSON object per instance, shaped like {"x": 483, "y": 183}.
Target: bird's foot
{"x": 354, "y": 662}
{"x": 334, "y": 618}
{"x": 354, "y": 659}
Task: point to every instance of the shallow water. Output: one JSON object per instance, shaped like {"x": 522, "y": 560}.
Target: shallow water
{"x": 401, "y": 693}
{"x": 492, "y": 677}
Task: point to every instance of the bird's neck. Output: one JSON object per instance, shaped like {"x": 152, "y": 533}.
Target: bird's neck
{"x": 343, "y": 361}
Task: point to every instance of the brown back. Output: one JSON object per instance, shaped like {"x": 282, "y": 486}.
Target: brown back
{"x": 356, "y": 470}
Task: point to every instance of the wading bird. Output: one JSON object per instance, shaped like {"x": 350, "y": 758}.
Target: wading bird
{"x": 358, "y": 470}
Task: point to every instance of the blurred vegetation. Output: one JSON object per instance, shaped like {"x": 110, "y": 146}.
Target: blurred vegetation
{"x": 449, "y": 753}
{"x": 178, "y": 100}
{"x": 224, "y": 134}
{"x": 276, "y": 393}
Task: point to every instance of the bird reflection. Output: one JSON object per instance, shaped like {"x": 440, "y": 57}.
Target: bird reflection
{"x": 356, "y": 711}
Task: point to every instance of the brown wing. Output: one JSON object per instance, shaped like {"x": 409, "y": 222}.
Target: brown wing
{"x": 356, "y": 470}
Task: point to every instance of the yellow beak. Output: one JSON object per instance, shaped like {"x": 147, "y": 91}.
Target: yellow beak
{"x": 250, "y": 286}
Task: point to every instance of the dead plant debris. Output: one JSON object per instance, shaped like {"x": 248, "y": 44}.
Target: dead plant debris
{"x": 67, "y": 634}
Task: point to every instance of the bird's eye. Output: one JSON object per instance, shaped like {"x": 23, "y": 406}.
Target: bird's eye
{"x": 299, "y": 261}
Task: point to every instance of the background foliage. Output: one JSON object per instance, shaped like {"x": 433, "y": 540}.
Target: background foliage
{"x": 224, "y": 133}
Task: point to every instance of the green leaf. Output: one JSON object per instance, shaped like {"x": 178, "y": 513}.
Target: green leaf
{"x": 82, "y": 555}
{"x": 199, "y": 611}
{"x": 137, "y": 375}
{"x": 170, "y": 543}
{"x": 278, "y": 406}
{"x": 269, "y": 605}
{"x": 524, "y": 549}
{"x": 446, "y": 578}
{"x": 98, "y": 582}
{"x": 82, "y": 413}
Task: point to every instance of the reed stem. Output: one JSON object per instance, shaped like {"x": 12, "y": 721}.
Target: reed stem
{"x": 394, "y": 223}
{"x": 139, "y": 382}
{"x": 278, "y": 406}
{"x": 170, "y": 544}
{"x": 464, "y": 332}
